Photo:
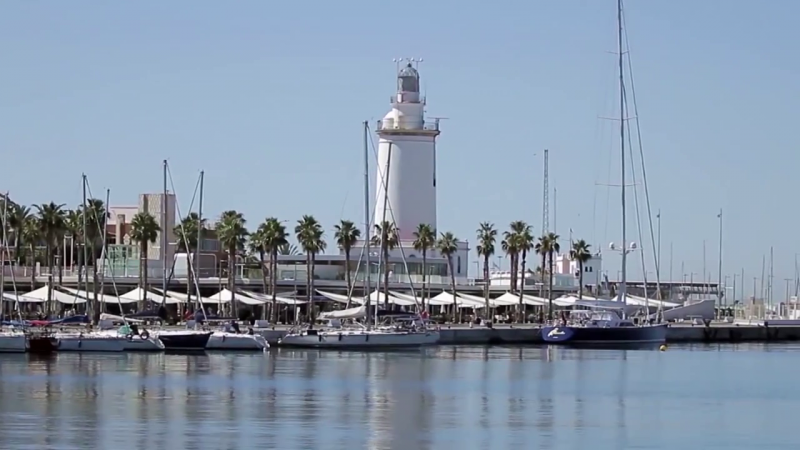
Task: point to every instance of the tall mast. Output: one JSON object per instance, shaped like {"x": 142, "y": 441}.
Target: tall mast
{"x": 720, "y": 293}
{"x": 622, "y": 285}
{"x": 164, "y": 238}
{"x": 3, "y": 256}
{"x": 85, "y": 242}
{"x": 367, "y": 283}
{"x": 199, "y": 238}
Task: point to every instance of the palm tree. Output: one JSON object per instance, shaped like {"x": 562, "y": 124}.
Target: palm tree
{"x": 487, "y": 235}
{"x": 52, "y": 224}
{"x": 447, "y": 246}
{"x": 75, "y": 228}
{"x": 387, "y": 239}
{"x": 424, "y": 240}
{"x": 346, "y": 236}
{"x": 31, "y": 235}
{"x": 288, "y": 249}
{"x": 541, "y": 249}
{"x": 267, "y": 239}
{"x": 96, "y": 216}
{"x": 581, "y": 254}
{"x": 524, "y": 241}
{"x": 552, "y": 248}
{"x": 309, "y": 234}
{"x": 186, "y": 234}
{"x": 232, "y": 234}
{"x": 144, "y": 230}
{"x": 15, "y": 221}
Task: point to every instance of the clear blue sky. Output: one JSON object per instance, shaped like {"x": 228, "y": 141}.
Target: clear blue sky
{"x": 268, "y": 98}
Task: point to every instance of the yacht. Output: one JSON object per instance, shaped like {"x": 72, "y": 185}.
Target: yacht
{"x": 393, "y": 334}
{"x": 187, "y": 339}
{"x": 603, "y": 327}
{"x": 136, "y": 340}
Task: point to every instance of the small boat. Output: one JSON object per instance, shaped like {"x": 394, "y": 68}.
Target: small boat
{"x": 231, "y": 339}
{"x": 42, "y": 343}
{"x": 13, "y": 341}
{"x": 604, "y": 328}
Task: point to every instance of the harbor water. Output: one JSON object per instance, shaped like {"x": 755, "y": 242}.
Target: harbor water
{"x": 712, "y": 397}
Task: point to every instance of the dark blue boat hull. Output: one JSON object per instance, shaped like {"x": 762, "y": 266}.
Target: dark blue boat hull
{"x": 569, "y": 335}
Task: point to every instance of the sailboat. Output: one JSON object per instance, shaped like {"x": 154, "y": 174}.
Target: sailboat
{"x": 12, "y": 340}
{"x": 608, "y": 326}
{"x": 402, "y": 334}
{"x": 175, "y": 340}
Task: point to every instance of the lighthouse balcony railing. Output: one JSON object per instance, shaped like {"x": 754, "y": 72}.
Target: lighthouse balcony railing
{"x": 411, "y": 125}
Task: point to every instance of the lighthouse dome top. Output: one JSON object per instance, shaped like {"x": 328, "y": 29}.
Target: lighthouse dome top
{"x": 408, "y": 79}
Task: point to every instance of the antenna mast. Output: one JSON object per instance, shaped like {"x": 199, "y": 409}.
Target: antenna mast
{"x": 546, "y": 195}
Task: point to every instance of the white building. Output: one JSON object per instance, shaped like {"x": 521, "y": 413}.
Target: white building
{"x": 592, "y": 269}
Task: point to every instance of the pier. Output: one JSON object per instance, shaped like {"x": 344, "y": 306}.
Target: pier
{"x": 531, "y": 335}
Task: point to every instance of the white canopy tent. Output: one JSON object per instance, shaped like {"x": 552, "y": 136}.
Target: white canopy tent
{"x": 280, "y": 299}
{"x": 447, "y": 299}
{"x": 511, "y": 299}
{"x": 353, "y": 313}
{"x": 61, "y": 297}
{"x": 375, "y": 298}
{"x": 90, "y": 295}
{"x": 181, "y": 297}
{"x": 226, "y": 296}
{"x": 138, "y": 294}
{"x": 21, "y": 298}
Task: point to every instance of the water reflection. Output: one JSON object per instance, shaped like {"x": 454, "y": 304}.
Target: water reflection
{"x": 471, "y": 397}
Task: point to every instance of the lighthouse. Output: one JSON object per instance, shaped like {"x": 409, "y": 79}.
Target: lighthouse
{"x": 406, "y": 170}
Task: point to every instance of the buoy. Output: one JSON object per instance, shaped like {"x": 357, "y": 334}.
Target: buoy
{"x": 663, "y": 347}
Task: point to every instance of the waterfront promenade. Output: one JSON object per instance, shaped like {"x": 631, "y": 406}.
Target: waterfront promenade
{"x": 531, "y": 334}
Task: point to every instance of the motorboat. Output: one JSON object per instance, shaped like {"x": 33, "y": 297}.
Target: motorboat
{"x": 13, "y": 341}
{"x": 603, "y": 327}
{"x": 230, "y": 338}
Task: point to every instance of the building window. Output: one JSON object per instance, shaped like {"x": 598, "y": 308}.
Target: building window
{"x": 459, "y": 265}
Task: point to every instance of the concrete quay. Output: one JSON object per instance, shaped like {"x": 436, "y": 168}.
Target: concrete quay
{"x": 531, "y": 335}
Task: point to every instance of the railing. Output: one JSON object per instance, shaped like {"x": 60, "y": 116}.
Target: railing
{"x": 415, "y": 279}
{"x": 410, "y": 125}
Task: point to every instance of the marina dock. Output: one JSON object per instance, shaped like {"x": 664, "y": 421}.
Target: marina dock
{"x": 531, "y": 335}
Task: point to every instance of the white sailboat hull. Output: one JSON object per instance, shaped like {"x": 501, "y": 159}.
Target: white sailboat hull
{"x": 360, "y": 339}
{"x": 89, "y": 342}
{"x": 11, "y": 342}
{"x": 137, "y": 343}
{"x": 222, "y": 340}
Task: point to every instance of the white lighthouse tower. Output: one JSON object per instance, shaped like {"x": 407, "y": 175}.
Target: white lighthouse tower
{"x": 406, "y": 179}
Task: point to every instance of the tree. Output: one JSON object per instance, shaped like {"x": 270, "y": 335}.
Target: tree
{"x": 548, "y": 245}
{"x": 581, "y": 254}
{"x": 267, "y": 240}
{"x": 424, "y": 241}
{"x": 144, "y": 230}
{"x": 15, "y": 221}
{"x": 541, "y": 249}
{"x": 96, "y": 218}
{"x": 187, "y": 239}
{"x": 31, "y": 235}
{"x": 310, "y": 236}
{"x": 387, "y": 239}
{"x": 52, "y": 224}
{"x": 447, "y": 246}
{"x": 232, "y": 234}
{"x": 346, "y": 236}
{"x": 524, "y": 242}
{"x": 487, "y": 235}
